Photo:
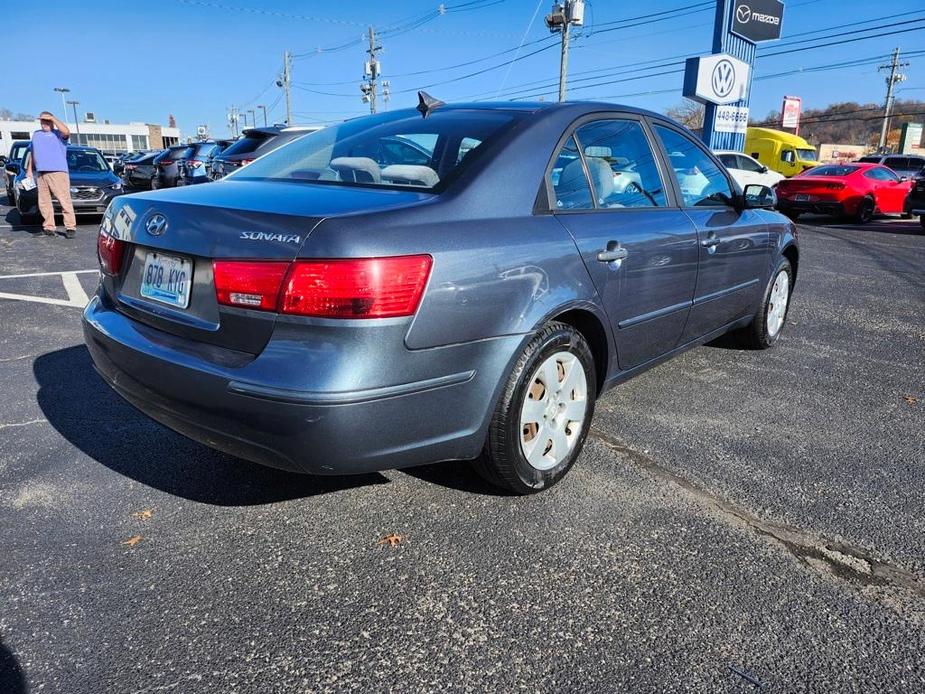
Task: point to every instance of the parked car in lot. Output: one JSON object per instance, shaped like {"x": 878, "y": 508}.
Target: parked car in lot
{"x": 747, "y": 170}
{"x": 167, "y": 166}
{"x": 321, "y": 313}
{"x": 13, "y": 166}
{"x": 915, "y": 202}
{"x": 856, "y": 190}
{"x": 255, "y": 143}
{"x": 138, "y": 172}
{"x": 198, "y": 161}
{"x": 909, "y": 165}
{"x": 93, "y": 184}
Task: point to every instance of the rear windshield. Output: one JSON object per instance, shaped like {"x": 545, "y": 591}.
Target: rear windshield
{"x": 395, "y": 149}
{"x": 203, "y": 149}
{"x": 247, "y": 144}
{"x": 833, "y": 170}
{"x": 174, "y": 154}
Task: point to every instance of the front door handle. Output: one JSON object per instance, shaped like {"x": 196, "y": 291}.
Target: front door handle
{"x": 612, "y": 252}
{"x": 711, "y": 241}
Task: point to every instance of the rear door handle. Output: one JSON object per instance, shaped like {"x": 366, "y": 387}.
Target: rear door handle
{"x": 612, "y": 252}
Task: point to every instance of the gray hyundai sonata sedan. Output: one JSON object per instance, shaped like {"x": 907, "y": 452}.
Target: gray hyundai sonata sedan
{"x": 452, "y": 282}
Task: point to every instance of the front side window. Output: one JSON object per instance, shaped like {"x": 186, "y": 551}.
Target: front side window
{"x": 730, "y": 161}
{"x": 621, "y": 164}
{"x": 569, "y": 182}
{"x": 787, "y": 156}
{"x": 394, "y": 149}
{"x": 881, "y": 174}
{"x": 807, "y": 154}
{"x": 702, "y": 182}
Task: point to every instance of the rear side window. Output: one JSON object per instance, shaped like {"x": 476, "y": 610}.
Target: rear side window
{"x": 621, "y": 164}
{"x": 702, "y": 182}
{"x": 568, "y": 179}
{"x": 747, "y": 164}
{"x": 730, "y": 161}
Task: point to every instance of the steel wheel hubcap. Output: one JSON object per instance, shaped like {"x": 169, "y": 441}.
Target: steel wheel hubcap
{"x": 777, "y": 302}
{"x": 553, "y": 411}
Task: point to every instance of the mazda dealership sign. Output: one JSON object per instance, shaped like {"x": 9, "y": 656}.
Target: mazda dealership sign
{"x": 758, "y": 20}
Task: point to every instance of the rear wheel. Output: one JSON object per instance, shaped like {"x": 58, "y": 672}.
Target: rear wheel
{"x": 865, "y": 211}
{"x": 768, "y": 323}
{"x": 541, "y": 421}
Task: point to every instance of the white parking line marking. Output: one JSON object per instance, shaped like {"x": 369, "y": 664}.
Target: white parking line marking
{"x": 47, "y": 274}
{"x": 75, "y": 292}
{"x": 76, "y": 296}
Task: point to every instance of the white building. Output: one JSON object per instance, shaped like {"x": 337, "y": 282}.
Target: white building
{"x": 110, "y": 138}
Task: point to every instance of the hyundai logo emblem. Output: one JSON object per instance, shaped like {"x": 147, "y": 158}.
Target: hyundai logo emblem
{"x": 156, "y": 225}
{"x": 723, "y": 79}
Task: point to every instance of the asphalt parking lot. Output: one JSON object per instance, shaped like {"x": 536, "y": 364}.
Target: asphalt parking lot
{"x": 739, "y": 521}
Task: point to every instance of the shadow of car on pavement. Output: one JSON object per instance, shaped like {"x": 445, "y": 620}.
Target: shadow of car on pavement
{"x": 86, "y": 412}
{"x": 12, "y": 680}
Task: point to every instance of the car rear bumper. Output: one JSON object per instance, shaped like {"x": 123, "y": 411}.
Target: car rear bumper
{"x": 227, "y": 405}
{"x": 836, "y": 209}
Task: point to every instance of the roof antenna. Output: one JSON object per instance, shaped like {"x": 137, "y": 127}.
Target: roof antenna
{"x": 427, "y": 103}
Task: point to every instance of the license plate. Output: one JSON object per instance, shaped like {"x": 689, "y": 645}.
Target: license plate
{"x": 166, "y": 278}
{"x": 802, "y": 197}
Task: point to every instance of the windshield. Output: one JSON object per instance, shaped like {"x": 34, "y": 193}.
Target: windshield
{"x": 85, "y": 161}
{"x": 806, "y": 154}
{"x": 395, "y": 149}
{"x": 833, "y": 170}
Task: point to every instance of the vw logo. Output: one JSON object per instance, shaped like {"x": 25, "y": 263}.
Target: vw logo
{"x": 724, "y": 79}
{"x": 156, "y": 225}
{"x": 743, "y": 14}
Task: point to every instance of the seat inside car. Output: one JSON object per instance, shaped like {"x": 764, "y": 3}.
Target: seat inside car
{"x": 411, "y": 175}
{"x": 357, "y": 169}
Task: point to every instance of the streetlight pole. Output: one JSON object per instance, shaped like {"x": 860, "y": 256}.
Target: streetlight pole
{"x": 253, "y": 117}
{"x": 63, "y": 91}
{"x": 264, "y": 109}
{"x": 75, "y": 104}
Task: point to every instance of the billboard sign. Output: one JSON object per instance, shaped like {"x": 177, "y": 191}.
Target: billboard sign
{"x": 716, "y": 79}
{"x": 790, "y": 112}
{"x": 758, "y": 20}
{"x": 910, "y": 137}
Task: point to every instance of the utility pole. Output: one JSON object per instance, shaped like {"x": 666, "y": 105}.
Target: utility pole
{"x": 895, "y": 76}
{"x": 287, "y": 85}
{"x": 563, "y": 15}
{"x": 264, "y": 109}
{"x": 63, "y": 91}
{"x": 371, "y": 72}
{"x": 75, "y": 104}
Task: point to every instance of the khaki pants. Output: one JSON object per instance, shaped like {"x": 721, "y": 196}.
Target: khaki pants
{"x": 57, "y": 184}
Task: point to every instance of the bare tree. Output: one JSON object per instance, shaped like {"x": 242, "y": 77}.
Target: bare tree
{"x": 688, "y": 113}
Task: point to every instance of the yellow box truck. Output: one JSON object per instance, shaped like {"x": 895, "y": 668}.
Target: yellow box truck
{"x": 782, "y": 152}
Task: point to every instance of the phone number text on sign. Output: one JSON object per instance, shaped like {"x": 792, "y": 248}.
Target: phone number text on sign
{"x": 731, "y": 119}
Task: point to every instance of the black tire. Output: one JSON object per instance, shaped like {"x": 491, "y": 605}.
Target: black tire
{"x": 502, "y": 462}
{"x": 922, "y": 221}
{"x": 792, "y": 216}
{"x": 756, "y": 335}
{"x": 865, "y": 211}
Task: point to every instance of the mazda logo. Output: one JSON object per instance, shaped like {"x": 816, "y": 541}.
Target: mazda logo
{"x": 156, "y": 225}
{"x": 743, "y": 13}
{"x": 724, "y": 78}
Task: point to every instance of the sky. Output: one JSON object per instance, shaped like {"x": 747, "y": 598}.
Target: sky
{"x": 142, "y": 60}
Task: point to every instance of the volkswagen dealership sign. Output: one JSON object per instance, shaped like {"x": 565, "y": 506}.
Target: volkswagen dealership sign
{"x": 716, "y": 79}
{"x": 758, "y": 20}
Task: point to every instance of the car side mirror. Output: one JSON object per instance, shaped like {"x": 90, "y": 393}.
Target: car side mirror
{"x": 764, "y": 169}
{"x": 759, "y": 197}
{"x": 903, "y": 179}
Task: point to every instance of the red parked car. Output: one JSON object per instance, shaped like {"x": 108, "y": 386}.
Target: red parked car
{"x": 854, "y": 190}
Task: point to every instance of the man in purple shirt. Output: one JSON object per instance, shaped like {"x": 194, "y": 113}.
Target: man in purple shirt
{"x": 49, "y": 164}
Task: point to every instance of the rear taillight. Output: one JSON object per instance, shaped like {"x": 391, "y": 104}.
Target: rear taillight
{"x": 356, "y": 288}
{"x": 342, "y": 288}
{"x": 166, "y": 162}
{"x": 245, "y": 162}
{"x": 110, "y": 252}
{"x": 248, "y": 284}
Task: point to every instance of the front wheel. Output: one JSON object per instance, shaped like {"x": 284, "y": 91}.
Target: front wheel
{"x": 541, "y": 421}
{"x": 768, "y": 323}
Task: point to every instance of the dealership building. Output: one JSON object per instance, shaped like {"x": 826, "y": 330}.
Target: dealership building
{"x": 110, "y": 138}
